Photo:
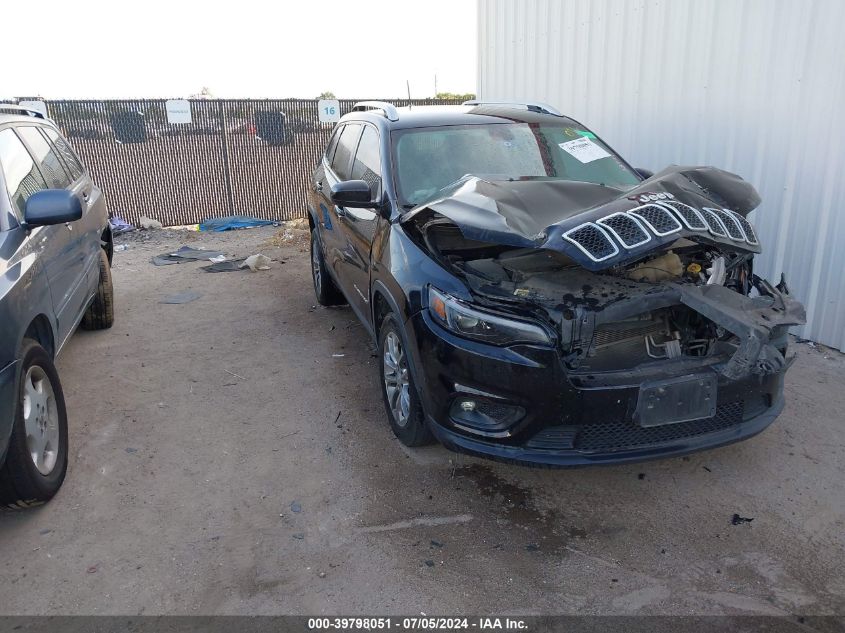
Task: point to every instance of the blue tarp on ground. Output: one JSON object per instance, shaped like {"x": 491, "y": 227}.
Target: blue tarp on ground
{"x": 233, "y": 222}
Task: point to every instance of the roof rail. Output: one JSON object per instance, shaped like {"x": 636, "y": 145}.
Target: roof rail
{"x": 11, "y": 107}
{"x": 389, "y": 110}
{"x": 533, "y": 106}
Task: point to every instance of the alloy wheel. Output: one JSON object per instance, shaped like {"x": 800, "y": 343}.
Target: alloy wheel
{"x": 41, "y": 420}
{"x": 396, "y": 380}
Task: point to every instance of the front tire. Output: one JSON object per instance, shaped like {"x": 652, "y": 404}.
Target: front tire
{"x": 401, "y": 400}
{"x": 327, "y": 292}
{"x": 36, "y": 461}
{"x": 100, "y": 314}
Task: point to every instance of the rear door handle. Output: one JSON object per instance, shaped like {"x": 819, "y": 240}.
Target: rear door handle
{"x": 318, "y": 186}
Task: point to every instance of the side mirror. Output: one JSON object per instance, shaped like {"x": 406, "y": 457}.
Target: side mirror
{"x": 352, "y": 193}
{"x": 645, "y": 173}
{"x": 52, "y": 206}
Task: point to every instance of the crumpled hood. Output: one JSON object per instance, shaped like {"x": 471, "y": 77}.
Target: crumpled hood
{"x": 600, "y": 226}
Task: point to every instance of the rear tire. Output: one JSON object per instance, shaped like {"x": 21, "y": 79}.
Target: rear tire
{"x": 36, "y": 461}
{"x": 401, "y": 400}
{"x": 327, "y": 292}
{"x": 100, "y": 314}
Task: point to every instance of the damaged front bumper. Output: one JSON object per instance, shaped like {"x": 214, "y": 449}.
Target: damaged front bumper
{"x": 530, "y": 404}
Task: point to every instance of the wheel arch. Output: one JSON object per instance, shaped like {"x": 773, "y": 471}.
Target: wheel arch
{"x": 107, "y": 241}
{"x": 41, "y": 330}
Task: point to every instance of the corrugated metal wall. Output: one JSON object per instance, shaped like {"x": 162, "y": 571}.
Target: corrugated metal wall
{"x": 752, "y": 86}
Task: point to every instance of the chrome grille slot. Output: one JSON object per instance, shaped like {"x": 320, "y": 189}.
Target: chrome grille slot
{"x": 627, "y": 229}
{"x": 747, "y": 228}
{"x": 689, "y": 215}
{"x": 657, "y": 218}
{"x": 715, "y": 225}
{"x": 731, "y": 225}
{"x": 592, "y": 240}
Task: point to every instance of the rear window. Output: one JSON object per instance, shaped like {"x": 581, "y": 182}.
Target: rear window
{"x": 46, "y": 156}
{"x": 19, "y": 170}
{"x": 428, "y": 159}
{"x": 72, "y": 161}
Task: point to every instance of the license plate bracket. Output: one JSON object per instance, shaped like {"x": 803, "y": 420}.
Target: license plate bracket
{"x": 676, "y": 400}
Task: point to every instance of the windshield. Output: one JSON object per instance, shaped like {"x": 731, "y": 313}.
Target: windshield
{"x": 428, "y": 159}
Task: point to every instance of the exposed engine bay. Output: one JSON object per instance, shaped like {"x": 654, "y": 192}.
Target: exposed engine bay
{"x": 668, "y": 292}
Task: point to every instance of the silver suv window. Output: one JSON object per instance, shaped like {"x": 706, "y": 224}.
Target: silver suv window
{"x": 46, "y": 156}
{"x": 19, "y": 170}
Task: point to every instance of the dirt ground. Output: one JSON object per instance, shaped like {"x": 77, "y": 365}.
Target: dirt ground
{"x": 231, "y": 455}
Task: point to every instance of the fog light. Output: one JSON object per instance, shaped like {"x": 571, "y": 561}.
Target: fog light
{"x": 485, "y": 417}
{"x": 467, "y": 405}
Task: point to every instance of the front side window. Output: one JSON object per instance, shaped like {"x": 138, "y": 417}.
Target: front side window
{"x": 345, "y": 148}
{"x": 19, "y": 170}
{"x": 367, "y": 163}
{"x": 46, "y": 156}
{"x": 333, "y": 144}
{"x": 428, "y": 159}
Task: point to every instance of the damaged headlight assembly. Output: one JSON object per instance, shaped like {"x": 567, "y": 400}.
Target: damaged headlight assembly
{"x": 469, "y": 322}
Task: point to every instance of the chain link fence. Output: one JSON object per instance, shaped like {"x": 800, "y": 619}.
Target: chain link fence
{"x": 235, "y": 157}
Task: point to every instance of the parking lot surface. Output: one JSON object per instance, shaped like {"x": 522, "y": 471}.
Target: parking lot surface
{"x": 231, "y": 456}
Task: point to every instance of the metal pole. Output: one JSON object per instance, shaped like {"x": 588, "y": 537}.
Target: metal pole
{"x": 227, "y": 172}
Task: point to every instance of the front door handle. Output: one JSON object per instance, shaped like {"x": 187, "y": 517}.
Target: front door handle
{"x": 69, "y": 226}
{"x": 318, "y": 186}
{"x": 340, "y": 211}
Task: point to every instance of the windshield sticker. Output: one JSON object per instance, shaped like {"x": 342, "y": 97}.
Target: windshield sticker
{"x": 585, "y": 134}
{"x": 584, "y": 150}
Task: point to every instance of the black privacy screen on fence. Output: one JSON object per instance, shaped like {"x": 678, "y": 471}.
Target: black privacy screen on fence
{"x": 244, "y": 157}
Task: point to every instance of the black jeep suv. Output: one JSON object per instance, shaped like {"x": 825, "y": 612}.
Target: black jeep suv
{"x": 535, "y": 298}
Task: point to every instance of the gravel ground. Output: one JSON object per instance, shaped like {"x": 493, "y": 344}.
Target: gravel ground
{"x": 224, "y": 460}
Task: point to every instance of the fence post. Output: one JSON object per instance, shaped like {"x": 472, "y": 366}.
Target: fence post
{"x": 227, "y": 172}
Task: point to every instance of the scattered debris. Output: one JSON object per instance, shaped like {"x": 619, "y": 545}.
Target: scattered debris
{"x": 232, "y": 222}
{"x": 186, "y": 253}
{"x": 256, "y": 262}
{"x": 338, "y": 355}
{"x": 641, "y": 476}
{"x": 129, "y": 449}
{"x": 149, "y": 223}
{"x": 707, "y": 469}
{"x": 322, "y": 574}
{"x": 436, "y": 543}
{"x": 121, "y": 247}
{"x": 182, "y": 297}
{"x": 299, "y": 536}
{"x": 736, "y": 519}
{"x": 45, "y": 531}
{"x": 119, "y": 225}
{"x": 429, "y": 563}
{"x": 532, "y": 547}
{"x": 295, "y": 506}
{"x": 92, "y": 569}
{"x": 228, "y": 266}
{"x": 231, "y": 373}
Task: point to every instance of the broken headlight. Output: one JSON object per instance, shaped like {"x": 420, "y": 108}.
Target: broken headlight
{"x": 468, "y": 322}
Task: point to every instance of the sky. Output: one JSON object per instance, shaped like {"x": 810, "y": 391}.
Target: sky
{"x": 240, "y": 48}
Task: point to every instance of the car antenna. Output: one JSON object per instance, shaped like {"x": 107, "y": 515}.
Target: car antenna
{"x": 408, "y": 83}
